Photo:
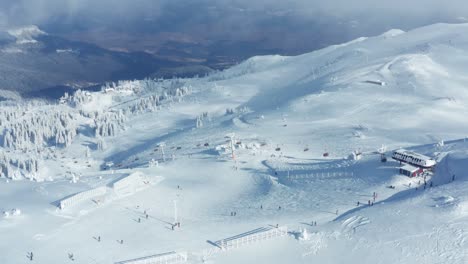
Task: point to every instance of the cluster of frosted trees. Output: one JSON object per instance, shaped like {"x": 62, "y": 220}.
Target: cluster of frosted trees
{"x": 145, "y": 85}
{"x": 7, "y": 116}
{"x": 152, "y": 102}
{"x": 145, "y": 104}
{"x": 108, "y": 124}
{"x": 38, "y": 130}
{"x": 101, "y": 144}
{"x": 78, "y": 98}
{"x": 27, "y": 131}
{"x": 249, "y": 66}
{"x": 201, "y": 118}
{"x": 16, "y": 168}
{"x": 242, "y": 110}
{"x": 134, "y": 86}
{"x": 180, "y": 92}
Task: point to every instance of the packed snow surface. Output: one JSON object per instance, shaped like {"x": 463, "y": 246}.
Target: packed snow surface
{"x": 276, "y": 160}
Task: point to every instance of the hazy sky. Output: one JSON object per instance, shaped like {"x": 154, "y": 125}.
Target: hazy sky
{"x": 278, "y": 26}
{"x": 16, "y": 12}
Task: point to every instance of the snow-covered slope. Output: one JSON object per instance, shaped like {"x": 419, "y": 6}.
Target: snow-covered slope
{"x": 266, "y": 143}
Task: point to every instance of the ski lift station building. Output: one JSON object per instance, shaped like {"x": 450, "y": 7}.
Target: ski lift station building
{"x": 410, "y": 170}
{"x": 414, "y": 159}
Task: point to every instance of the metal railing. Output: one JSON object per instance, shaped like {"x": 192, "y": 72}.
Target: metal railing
{"x": 318, "y": 175}
{"x": 165, "y": 258}
{"x": 251, "y": 237}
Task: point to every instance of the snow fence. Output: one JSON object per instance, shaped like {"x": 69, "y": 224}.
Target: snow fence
{"x": 82, "y": 196}
{"x": 165, "y": 258}
{"x": 129, "y": 184}
{"x": 251, "y": 237}
{"x": 319, "y": 175}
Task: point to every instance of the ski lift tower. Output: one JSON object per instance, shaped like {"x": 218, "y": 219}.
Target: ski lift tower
{"x": 176, "y": 218}
{"x": 161, "y": 146}
{"x": 231, "y": 137}
{"x": 382, "y": 151}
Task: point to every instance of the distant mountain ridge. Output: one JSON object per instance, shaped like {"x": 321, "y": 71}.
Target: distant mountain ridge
{"x": 34, "y": 63}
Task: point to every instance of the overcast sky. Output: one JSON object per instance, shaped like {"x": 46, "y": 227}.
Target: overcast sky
{"x": 285, "y": 27}
{"x": 17, "y": 12}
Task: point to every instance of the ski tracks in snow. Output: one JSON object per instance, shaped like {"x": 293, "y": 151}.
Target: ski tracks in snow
{"x": 350, "y": 224}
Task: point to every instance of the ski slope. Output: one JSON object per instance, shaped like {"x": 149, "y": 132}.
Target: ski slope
{"x": 243, "y": 149}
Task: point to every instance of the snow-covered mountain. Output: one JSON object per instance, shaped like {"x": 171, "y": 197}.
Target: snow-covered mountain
{"x": 273, "y": 142}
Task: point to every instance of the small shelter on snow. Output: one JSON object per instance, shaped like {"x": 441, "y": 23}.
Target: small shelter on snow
{"x": 410, "y": 171}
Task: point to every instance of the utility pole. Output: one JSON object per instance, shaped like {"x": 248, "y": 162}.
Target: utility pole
{"x": 232, "y": 148}
{"x": 175, "y": 212}
{"x": 231, "y": 137}
{"x": 161, "y": 146}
